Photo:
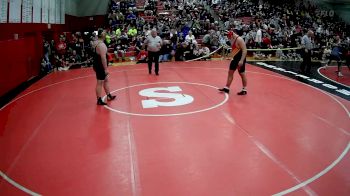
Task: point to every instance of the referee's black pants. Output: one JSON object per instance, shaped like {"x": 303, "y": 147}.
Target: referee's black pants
{"x": 306, "y": 64}
{"x": 153, "y": 57}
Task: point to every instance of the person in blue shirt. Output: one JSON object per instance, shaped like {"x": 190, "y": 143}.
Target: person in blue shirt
{"x": 336, "y": 54}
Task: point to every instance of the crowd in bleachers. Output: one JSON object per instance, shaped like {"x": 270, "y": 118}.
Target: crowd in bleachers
{"x": 281, "y": 23}
{"x": 70, "y": 51}
{"x": 179, "y": 24}
{"x": 261, "y": 24}
{"x": 189, "y": 30}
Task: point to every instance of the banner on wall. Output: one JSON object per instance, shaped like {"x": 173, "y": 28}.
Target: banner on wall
{"x": 58, "y": 11}
{"x": 32, "y": 11}
{"x": 3, "y": 11}
{"x": 15, "y": 11}
{"x": 27, "y": 12}
{"x": 63, "y": 12}
{"x": 52, "y": 11}
{"x": 45, "y": 11}
{"x": 36, "y": 11}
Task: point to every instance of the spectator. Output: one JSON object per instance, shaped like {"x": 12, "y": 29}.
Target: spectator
{"x": 336, "y": 54}
{"x": 165, "y": 52}
{"x": 258, "y": 38}
{"x": 45, "y": 66}
{"x": 61, "y": 46}
{"x": 190, "y": 37}
{"x": 75, "y": 58}
{"x": 132, "y": 32}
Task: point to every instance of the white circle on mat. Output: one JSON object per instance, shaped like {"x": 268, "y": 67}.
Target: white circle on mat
{"x": 171, "y": 114}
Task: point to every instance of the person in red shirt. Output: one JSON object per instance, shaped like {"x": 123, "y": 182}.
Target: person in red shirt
{"x": 266, "y": 41}
{"x": 61, "y": 46}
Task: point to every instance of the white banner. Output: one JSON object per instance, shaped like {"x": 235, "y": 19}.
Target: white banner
{"x": 45, "y": 11}
{"x": 52, "y": 12}
{"x": 27, "y": 12}
{"x": 15, "y": 11}
{"x": 3, "y": 11}
{"x": 58, "y": 11}
{"x": 63, "y": 12}
{"x": 36, "y": 11}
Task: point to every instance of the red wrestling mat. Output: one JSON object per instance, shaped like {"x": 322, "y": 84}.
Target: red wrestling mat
{"x": 174, "y": 134}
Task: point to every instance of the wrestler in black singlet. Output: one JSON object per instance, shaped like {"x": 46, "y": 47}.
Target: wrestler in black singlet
{"x": 237, "y": 58}
{"x": 98, "y": 65}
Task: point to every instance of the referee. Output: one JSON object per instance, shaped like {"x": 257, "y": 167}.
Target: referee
{"x": 154, "y": 44}
{"x": 306, "y": 44}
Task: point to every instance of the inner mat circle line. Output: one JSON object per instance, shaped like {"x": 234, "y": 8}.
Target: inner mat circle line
{"x": 171, "y": 114}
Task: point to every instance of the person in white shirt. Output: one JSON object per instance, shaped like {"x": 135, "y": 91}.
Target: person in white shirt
{"x": 319, "y": 30}
{"x": 154, "y": 44}
{"x": 190, "y": 37}
{"x": 258, "y": 38}
{"x": 205, "y": 51}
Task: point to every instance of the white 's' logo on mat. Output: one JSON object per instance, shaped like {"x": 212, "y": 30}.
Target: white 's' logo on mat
{"x": 167, "y": 99}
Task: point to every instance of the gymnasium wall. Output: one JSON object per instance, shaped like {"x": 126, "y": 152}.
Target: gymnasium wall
{"x": 20, "y": 58}
{"x": 20, "y": 61}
